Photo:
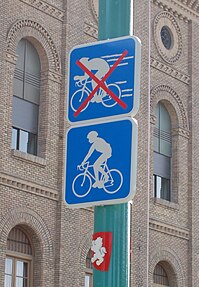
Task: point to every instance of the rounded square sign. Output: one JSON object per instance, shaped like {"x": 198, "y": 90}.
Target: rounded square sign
{"x": 101, "y": 161}
{"x": 104, "y": 80}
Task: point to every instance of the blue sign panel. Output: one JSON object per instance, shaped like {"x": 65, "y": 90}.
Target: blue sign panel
{"x": 104, "y": 80}
{"x": 101, "y": 163}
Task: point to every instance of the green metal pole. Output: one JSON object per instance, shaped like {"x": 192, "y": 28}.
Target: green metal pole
{"x": 114, "y": 21}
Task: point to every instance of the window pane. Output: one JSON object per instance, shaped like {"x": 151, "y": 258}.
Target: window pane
{"x": 162, "y": 131}
{"x": 87, "y": 279}
{"x": 8, "y": 281}
{"x": 25, "y": 115}
{"x": 162, "y": 187}
{"x": 165, "y": 189}
{"x": 23, "y": 141}
{"x": 8, "y": 266}
{"x": 19, "y": 282}
{"x": 14, "y": 138}
{"x": 22, "y": 269}
{"x": 32, "y": 144}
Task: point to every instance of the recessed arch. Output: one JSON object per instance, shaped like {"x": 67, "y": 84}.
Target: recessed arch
{"x": 173, "y": 103}
{"x": 38, "y": 35}
{"x": 171, "y": 263}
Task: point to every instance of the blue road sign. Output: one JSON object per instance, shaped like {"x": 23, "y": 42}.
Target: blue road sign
{"x": 101, "y": 163}
{"x": 104, "y": 80}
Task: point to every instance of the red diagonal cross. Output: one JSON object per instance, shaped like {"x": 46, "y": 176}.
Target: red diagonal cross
{"x": 100, "y": 84}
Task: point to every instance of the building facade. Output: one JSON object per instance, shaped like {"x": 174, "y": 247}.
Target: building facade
{"x": 42, "y": 242}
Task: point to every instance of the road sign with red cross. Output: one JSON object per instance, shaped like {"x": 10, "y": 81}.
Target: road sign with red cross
{"x": 104, "y": 80}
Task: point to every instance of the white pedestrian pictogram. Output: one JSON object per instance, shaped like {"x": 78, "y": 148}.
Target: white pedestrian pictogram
{"x": 99, "y": 251}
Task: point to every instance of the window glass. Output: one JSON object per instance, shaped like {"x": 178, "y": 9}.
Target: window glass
{"x": 14, "y": 138}
{"x": 161, "y": 187}
{"x": 162, "y": 131}
{"x": 160, "y": 276}
{"x": 166, "y": 37}
{"x": 8, "y": 267}
{"x": 26, "y": 98}
{"x": 8, "y": 281}
{"x": 23, "y": 141}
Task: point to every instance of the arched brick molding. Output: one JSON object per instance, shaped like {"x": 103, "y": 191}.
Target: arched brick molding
{"x": 32, "y": 29}
{"x": 36, "y": 228}
{"x": 163, "y": 92}
{"x": 170, "y": 257}
{"x": 84, "y": 247}
{"x": 29, "y": 218}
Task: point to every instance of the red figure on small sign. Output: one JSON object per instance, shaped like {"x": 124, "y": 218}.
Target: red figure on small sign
{"x": 101, "y": 250}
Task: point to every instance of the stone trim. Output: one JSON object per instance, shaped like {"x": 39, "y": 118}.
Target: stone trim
{"x": 27, "y": 186}
{"x": 91, "y": 29}
{"x": 29, "y": 28}
{"x": 166, "y": 204}
{"x": 181, "y": 132}
{"x": 46, "y": 8}
{"x": 170, "y": 71}
{"x": 29, "y": 157}
{"x": 10, "y": 58}
{"x": 180, "y": 8}
{"x": 52, "y": 76}
{"x": 156, "y": 96}
{"x": 169, "y": 229}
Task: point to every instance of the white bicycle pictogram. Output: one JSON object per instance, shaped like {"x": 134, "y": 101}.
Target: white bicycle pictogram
{"x": 82, "y": 183}
{"x": 80, "y": 95}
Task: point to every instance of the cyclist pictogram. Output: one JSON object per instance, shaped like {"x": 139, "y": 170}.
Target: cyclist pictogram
{"x": 104, "y": 79}
{"x": 98, "y": 163}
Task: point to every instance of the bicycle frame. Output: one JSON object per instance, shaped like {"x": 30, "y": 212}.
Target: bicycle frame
{"x": 85, "y": 88}
{"x": 86, "y": 171}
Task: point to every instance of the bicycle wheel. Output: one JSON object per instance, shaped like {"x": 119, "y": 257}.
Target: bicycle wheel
{"x": 107, "y": 100}
{"x": 81, "y": 185}
{"x": 77, "y": 99}
{"x": 114, "y": 182}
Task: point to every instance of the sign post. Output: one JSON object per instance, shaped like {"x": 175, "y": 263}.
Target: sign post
{"x": 114, "y": 21}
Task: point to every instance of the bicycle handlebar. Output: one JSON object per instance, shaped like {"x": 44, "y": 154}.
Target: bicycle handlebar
{"x": 83, "y": 166}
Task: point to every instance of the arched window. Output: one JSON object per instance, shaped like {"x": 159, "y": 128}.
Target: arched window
{"x": 89, "y": 271}
{"x": 162, "y": 153}
{"x": 26, "y": 97}
{"x": 160, "y": 276}
{"x": 18, "y": 259}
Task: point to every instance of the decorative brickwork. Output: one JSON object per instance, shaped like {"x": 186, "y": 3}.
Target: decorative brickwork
{"x": 25, "y": 28}
{"x": 166, "y": 19}
{"x": 169, "y": 229}
{"x": 158, "y": 93}
{"x": 28, "y": 187}
{"x": 91, "y": 29}
{"x": 169, "y": 256}
{"x": 46, "y": 8}
{"x": 170, "y": 71}
{"x": 30, "y": 218}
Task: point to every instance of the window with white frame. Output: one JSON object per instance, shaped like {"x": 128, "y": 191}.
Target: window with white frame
{"x": 89, "y": 271}
{"x": 162, "y": 153}
{"x": 18, "y": 262}
{"x": 26, "y": 97}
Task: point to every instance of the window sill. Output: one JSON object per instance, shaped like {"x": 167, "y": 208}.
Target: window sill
{"x": 166, "y": 203}
{"x": 29, "y": 157}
